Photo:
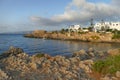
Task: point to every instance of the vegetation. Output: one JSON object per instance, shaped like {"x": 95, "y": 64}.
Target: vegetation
{"x": 55, "y": 31}
{"x": 63, "y": 31}
{"x": 108, "y": 66}
{"x": 81, "y": 32}
{"x": 95, "y": 37}
{"x": 40, "y": 55}
{"x": 116, "y": 34}
{"x": 90, "y": 29}
{"x": 109, "y": 30}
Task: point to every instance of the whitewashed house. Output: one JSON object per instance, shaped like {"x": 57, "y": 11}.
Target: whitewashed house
{"x": 107, "y": 25}
{"x": 74, "y": 27}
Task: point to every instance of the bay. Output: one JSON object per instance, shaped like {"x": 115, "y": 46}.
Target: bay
{"x": 51, "y": 47}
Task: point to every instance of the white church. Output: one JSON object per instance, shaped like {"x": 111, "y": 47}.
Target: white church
{"x": 107, "y": 25}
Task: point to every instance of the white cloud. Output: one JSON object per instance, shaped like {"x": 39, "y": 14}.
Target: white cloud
{"x": 80, "y": 12}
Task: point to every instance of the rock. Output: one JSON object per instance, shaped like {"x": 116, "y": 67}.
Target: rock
{"x": 105, "y": 78}
{"x": 90, "y": 50}
{"x": 39, "y": 32}
{"x": 81, "y": 52}
{"x": 14, "y": 50}
{"x": 3, "y": 75}
{"x": 118, "y": 74}
{"x": 114, "y": 78}
{"x": 91, "y": 54}
{"x": 88, "y": 62}
{"x": 21, "y": 66}
{"x": 114, "y": 52}
{"x": 11, "y": 52}
{"x": 74, "y": 59}
{"x": 100, "y": 53}
{"x": 33, "y": 65}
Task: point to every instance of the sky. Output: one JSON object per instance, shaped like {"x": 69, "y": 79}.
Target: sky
{"x": 28, "y": 15}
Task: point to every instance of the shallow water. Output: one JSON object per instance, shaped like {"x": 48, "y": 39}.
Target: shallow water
{"x": 52, "y": 47}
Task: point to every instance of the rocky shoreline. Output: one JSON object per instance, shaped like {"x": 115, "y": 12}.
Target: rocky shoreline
{"x": 86, "y": 37}
{"x": 15, "y": 64}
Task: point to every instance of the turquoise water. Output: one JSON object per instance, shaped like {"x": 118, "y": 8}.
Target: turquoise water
{"x": 52, "y": 47}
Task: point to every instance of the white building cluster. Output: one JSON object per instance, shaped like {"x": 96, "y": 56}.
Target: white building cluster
{"x": 107, "y": 25}
{"x": 74, "y": 27}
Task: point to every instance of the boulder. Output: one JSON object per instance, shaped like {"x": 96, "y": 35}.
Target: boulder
{"x": 105, "y": 78}
{"x": 33, "y": 65}
{"x": 13, "y": 51}
{"x": 91, "y": 50}
{"x": 114, "y": 78}
{"x": 101, "y": 53}
{"x": 114, "y": 52}
{"x": 91, "y": 54}
{"x": 81, "y": 52}
{"x": 3, "y": 75}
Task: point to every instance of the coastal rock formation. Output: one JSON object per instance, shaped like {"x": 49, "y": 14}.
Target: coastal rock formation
{"x": 21, "y": 66}
{"x": 89, "y": 36}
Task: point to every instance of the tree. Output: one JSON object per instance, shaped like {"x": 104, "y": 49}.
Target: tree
{"x": 90, "y": 28}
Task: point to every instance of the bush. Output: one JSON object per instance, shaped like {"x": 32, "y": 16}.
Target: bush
{"x": 40, "y": 55}
{"x": 108, "y": 66}
{"x": 116, "y": 36}
{"x": 95, "y": 37}
{"x": 82, "y": 32}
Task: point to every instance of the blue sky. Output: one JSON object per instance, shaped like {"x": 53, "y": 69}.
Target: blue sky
{"x": 27, "y": 15}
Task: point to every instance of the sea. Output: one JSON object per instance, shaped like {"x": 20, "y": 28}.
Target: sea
{"x": 52, "y": 47}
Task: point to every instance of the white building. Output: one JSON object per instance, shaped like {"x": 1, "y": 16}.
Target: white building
{"x": 107, "y": 25}
{"x": 74, "y": 27}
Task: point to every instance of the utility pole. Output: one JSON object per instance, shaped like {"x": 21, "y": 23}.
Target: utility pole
{"x": 91, "y": 25}
{"x": 91, "y": 22}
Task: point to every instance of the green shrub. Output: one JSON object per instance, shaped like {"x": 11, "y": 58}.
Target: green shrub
{"x": 110, "y": 65}
{"x": 116, "y": 36}
{"x": 82, "y": 32}
{"x": 39, "y": 55}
